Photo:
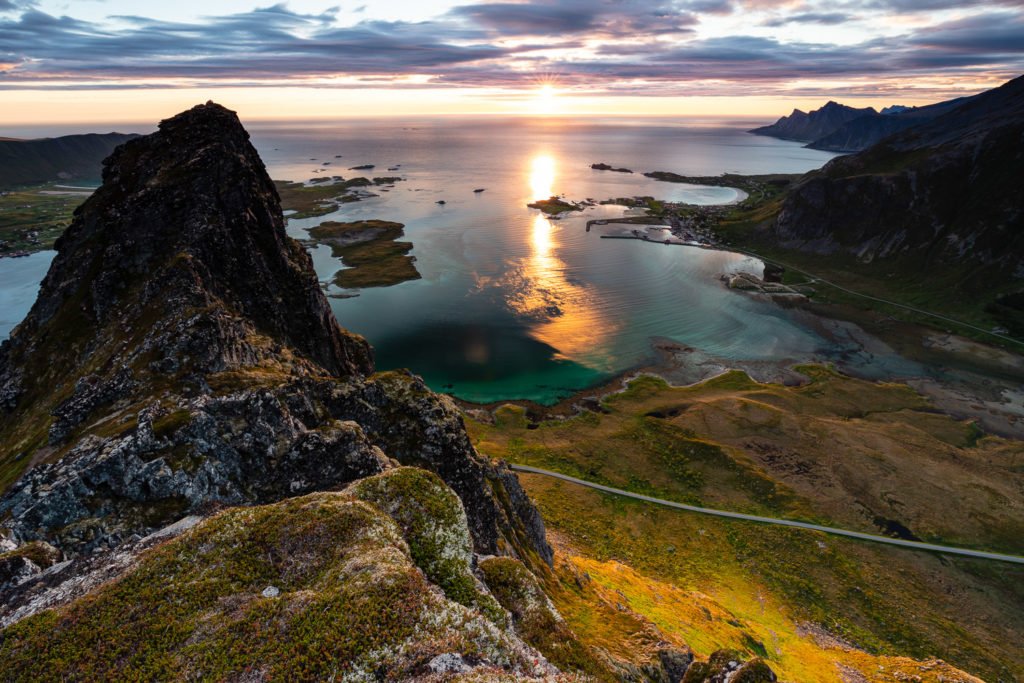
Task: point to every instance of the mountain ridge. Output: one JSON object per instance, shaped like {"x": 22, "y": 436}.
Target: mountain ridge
{"x": 836, "y": 127}
{"x": 27, "y": 162}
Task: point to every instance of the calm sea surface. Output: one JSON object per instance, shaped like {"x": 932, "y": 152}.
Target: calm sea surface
{"x": 515, "y": 305}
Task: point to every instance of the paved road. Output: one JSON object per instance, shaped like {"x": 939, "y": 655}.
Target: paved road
{"x": 780, "y": 522}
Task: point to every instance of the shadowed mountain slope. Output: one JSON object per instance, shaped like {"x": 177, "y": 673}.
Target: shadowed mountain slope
{"x": 25, "y": 162}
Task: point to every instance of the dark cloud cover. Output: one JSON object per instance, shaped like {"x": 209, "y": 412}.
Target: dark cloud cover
{"x": 631, "y": 46}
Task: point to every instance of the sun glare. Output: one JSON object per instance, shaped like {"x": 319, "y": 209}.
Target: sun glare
{"x": 542, "y": 177}
{"x": 544, "y": 102}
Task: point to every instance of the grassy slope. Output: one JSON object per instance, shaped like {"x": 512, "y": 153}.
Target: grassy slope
{"x": 793, "y": 452}
{"x": 26, "y": 211}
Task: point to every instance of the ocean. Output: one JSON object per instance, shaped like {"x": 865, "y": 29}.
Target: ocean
{"x": 515, "y": 305}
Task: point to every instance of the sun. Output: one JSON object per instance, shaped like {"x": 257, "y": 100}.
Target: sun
{"x": 544, "y": 101}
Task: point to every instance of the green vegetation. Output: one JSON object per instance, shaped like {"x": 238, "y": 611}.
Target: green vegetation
{"x": 535, "y": 618}
{"x": 312, "y": 588}
{"x": 433, "y": 523}
{"x": 554, "y": 205}
{"x": 371, "y": 250}
{"x": 30, "y": 220}
{"x": 836, "y": 451}
{"x": 42, "y": 554}
{"x": 318, "y": 200}
{"x": 935, "y": 290}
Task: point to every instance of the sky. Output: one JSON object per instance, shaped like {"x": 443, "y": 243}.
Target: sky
{"x": 126, "y": 60}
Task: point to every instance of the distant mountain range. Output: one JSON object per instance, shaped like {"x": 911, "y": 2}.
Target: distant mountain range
{"x": 27, "y": 162}
{"x": 838, "y": 128}
{"x": 943, "y": 195}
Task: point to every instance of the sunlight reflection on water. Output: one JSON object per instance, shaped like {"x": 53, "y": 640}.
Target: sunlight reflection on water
{"x": 542, "y": 177}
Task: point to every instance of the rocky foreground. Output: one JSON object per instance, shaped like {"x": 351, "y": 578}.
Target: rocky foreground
{"x": 205, "y": 478}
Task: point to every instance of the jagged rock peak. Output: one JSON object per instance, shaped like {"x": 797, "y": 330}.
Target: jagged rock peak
{"x": 187, "y": 219}
{"x": 181, "y": 356}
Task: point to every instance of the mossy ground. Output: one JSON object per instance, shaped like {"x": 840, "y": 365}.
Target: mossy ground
{"x": 733, "y": 443}
{"x": 433, "y": 524}
{"x": 535, "y": 618}
{"x": 350, "y": 598}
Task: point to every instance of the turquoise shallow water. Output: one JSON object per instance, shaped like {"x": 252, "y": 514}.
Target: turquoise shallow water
{"x": 515, "y": 305}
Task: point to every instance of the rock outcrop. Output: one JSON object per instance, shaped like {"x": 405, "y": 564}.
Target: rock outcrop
{"x": 374, "y": 583}
{"x": 181, "y": 357}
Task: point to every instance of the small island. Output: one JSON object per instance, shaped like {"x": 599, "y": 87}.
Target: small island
{"x": 606, "y": 167}
{"x": 370, "y": 249}
{"x": 364, "y": 167}
{"x": 554, "y": 205}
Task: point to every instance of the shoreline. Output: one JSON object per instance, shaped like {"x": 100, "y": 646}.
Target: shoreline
{"x": 985, "y": 383}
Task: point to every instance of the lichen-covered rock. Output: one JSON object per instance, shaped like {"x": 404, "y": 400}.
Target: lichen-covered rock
{"x": 351, "y": 604}
{"x": 675, "y": 662}
{"x": 417, "y": 427}
{"x": 22, "y": 563}
{"x": 242, "y": 448}
{"x": 434, "y": 525}
{"x": 727, "y": 666}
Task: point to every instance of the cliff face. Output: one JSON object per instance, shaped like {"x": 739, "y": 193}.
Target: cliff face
{"x": 182, "y": 357}
{"x": 946, "y": 192}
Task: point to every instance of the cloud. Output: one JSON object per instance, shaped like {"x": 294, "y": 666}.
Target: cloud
{"x": 11, "y": 5}
{"x": 912, "y": 6}
{"x": 824, "y": 18}
{"x": 614, "y": 46}
{"x": 569, "y": 17}
{"x": 985, "y": 34}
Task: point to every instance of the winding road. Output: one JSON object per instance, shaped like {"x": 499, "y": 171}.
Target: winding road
{"x": 915, "y": 545}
